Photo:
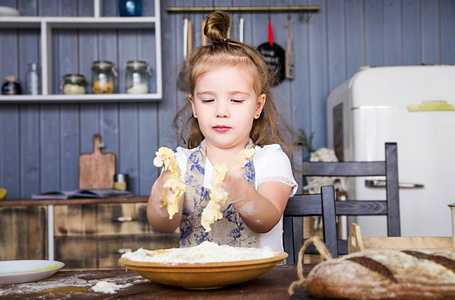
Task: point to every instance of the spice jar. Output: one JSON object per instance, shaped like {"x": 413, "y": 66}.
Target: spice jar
{"x": 137, "y": 77}
{"x": 11, "y": 86}
{"x": 120, "y": 181}
{"x": 103, "y": 75}
{"x": 74, "y": 84}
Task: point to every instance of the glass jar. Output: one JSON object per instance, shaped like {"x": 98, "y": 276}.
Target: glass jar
{"x": 74, "y": 84}
{"x": 130, "y": 8}
{"x": 11, "y": 86}
{"x": 103, "y": 76}
{"x": 137, "y": 77}
{"x": 120, "y": 181}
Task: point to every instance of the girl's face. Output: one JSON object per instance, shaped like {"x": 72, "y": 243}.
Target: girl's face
{"x": 225, "y": 106}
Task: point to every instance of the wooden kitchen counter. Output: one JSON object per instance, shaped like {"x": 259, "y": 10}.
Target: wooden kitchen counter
{"x": 82, "y": 232}
{"x": 272, "y": 285}
{"x": 74, "y": 201}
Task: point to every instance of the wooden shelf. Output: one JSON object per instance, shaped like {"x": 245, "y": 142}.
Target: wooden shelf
{"x": 79, "y": 22}
{"x": 47, "y": 25}
{"x": 152, "y": 97}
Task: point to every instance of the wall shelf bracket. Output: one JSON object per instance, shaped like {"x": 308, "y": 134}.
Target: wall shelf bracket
{"x": 312, "y": 8}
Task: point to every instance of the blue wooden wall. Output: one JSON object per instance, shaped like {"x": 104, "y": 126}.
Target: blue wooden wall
{"x": 40, "y": 143}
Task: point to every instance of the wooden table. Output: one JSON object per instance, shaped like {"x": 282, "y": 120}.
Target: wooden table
{"x": 77, "y": 285}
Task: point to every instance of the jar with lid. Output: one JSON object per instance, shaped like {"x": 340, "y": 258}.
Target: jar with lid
{"x": 74, "y": 84}
{"x": 120, "y": 181}
{"x": 137, "y": 77}
{"x": 11, "y": 86}
{"x": 103, "y": 76}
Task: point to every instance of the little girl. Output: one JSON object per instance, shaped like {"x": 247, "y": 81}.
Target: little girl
{"x": 229, "y": 108}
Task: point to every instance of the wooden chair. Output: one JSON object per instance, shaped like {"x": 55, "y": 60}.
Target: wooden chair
{"x": 309, "y": 205}
{"x": 356, "y": 243}
{"x": 389, "y": 207}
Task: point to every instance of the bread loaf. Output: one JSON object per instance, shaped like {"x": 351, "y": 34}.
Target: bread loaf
{"x": 385, "y": 274}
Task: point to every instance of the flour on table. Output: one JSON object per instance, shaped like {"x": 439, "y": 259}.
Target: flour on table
{"x": 108, "y": 287}
{"x": 73, "y": 281}
{"x": 204, "y": 253}
{"x": 37, "y": 286}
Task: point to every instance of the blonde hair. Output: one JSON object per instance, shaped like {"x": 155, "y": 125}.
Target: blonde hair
{"x": 270, "y": 127}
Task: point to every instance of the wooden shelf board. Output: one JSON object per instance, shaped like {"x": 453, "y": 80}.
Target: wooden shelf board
{"x": 79, "y": 22}
{"x": 153, "y": 97}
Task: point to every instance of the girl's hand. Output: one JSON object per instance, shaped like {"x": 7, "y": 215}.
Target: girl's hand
{"x": 165, "y": 175}
{"x": 157, "y": 214}
{"x": 235, "y": 182}
{"x": 159, "y": 191}
{"x": 236, "y": 185}
{"x": 159, "y": 187}
{"x": 260, "y": 209}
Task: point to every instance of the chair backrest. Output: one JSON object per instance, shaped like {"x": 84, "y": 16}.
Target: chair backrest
{"x": 301, "y": 205}
{"x": 390, "y": 207}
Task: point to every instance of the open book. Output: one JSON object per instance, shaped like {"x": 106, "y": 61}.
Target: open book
{"x": 83, "y": 193}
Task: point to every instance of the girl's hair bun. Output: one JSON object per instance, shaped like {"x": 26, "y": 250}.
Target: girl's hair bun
{"x": 217, "y": 26}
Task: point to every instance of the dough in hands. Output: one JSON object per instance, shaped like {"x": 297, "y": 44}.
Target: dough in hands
{"x": 218, "y": 194}
{"x": 165, "y": 157}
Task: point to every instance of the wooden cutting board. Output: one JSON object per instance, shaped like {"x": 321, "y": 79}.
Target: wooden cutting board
{"x": 97, "y": 169}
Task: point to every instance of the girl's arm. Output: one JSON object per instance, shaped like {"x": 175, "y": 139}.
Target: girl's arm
{"x": 157, "y": 215}
{"x": 259, "y": 209}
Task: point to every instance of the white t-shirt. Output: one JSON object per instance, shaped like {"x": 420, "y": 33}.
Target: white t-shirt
{"x": 271, "y": 164}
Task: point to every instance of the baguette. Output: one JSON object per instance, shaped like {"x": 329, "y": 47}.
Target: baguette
{"x": 385, "y": 274}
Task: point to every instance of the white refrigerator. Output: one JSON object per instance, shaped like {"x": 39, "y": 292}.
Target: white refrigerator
{"x": 413, "y": 106}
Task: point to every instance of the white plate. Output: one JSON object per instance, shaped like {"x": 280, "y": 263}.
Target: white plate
{"x": 19, "y": 271}
{"x": 6, "y": 11}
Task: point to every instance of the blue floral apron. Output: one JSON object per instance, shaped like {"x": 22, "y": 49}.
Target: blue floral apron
{"x": 230, "y": 230}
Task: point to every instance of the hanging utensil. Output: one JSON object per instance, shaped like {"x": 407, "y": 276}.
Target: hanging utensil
{"x": 241, "y": 23}
{"x": 182, "y": 84}
{"x": 203, "y": 36}
{"x": 273, "y": 56}
{"x": 189, "y": 37}
{"x": 289, "y": 56}
{"x": 185, "y": 38}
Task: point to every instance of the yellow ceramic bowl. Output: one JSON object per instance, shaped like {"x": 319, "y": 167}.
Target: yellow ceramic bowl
{"x": 204, "y": 275}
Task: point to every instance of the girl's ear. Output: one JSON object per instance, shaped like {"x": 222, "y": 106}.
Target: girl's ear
{"x": 190, "y": 97}
{"x": 259, "y": 106}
